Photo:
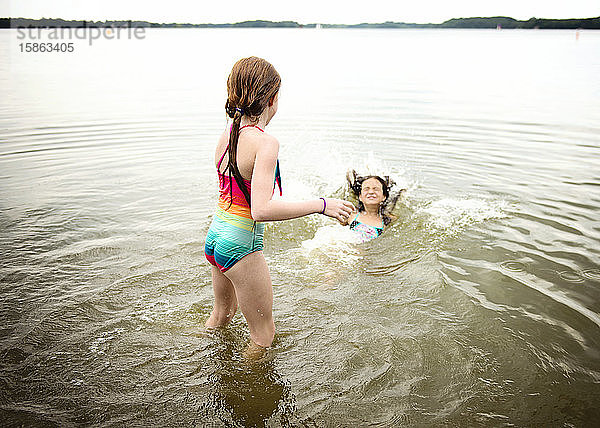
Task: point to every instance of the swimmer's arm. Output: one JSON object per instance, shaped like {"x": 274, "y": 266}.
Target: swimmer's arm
{"x": 263, "y": 207}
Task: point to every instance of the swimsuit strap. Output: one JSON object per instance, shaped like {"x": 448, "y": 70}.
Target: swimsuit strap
{"x": 252, "y": 126}
{"x": 227, "y": 148}
{"x": 277, "y": 171}
{"x": 278, "y": 179}
{"x": 222, "y": 157}
{"x": 356, "y": 220}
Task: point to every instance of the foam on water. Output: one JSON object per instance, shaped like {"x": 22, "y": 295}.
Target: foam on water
{"x": 335, "y": 240}
{"x": 450, "y": 215}
{"x": 335, "y": 244}
{"x": 99, "y": 344}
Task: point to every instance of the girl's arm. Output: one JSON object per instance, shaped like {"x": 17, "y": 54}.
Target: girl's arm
{"x": 266, "y": 209}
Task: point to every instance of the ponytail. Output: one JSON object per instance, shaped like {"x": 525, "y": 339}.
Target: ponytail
{"x": 232, "y": 167}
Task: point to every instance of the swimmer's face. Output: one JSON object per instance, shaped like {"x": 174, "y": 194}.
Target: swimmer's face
{"x": 371, "y": 192}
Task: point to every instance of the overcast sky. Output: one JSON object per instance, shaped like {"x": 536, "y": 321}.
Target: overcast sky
{"x": 304, "y": 11}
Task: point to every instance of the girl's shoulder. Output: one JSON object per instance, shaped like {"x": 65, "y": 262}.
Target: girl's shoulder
{"x": 351, "y": 220}
{"x": 268, "y": 139}
{"x": 264, "y": 143}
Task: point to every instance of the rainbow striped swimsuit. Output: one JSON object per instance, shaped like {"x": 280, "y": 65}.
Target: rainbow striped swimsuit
{"x": 233, "y": 232}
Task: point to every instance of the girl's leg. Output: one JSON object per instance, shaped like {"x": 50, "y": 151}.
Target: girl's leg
{"x": 225, "y": 300}
{"x": 252, "y": 283}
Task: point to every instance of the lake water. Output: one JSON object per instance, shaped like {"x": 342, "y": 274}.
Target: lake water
{"x": 480, "y": 306}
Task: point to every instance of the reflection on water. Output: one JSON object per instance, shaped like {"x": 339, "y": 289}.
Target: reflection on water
{"x": 243, "y": 392}
{"x": 479, "y": 306}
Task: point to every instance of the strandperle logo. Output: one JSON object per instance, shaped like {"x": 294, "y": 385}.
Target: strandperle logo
{"x": 89, "y": 33}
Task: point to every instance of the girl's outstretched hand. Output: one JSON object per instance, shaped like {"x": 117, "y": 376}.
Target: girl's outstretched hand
{"x": 339, "y": 209}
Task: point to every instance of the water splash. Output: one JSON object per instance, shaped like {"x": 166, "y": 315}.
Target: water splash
{"x": 326, "y": 175}
{"x": 371, "y": 165}
{"x": 334, "y": 241}
{"x": 450, "y": 216}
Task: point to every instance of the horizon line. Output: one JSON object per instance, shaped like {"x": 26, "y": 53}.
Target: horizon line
{"x": 305, "y": 24}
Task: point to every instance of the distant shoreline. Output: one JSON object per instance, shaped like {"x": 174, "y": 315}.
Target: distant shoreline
{"x": 498, "y": 22}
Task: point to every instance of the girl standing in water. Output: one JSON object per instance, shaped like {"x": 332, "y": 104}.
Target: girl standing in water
{"x": 248, "y": 170}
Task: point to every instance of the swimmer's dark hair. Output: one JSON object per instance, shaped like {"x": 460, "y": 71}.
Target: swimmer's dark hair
{"x": 355, "y": 182}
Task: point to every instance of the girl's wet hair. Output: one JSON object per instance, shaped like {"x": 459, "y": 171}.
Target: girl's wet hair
{"x": 355, "y": 182}
{"x": 251, "y": 85}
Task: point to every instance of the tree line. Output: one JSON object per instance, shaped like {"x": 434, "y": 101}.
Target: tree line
{"x": 491, "y": 22}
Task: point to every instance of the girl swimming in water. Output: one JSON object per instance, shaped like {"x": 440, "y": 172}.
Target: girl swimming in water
{"x": 374, "y": 204}
{"x": 246, "y": 159}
